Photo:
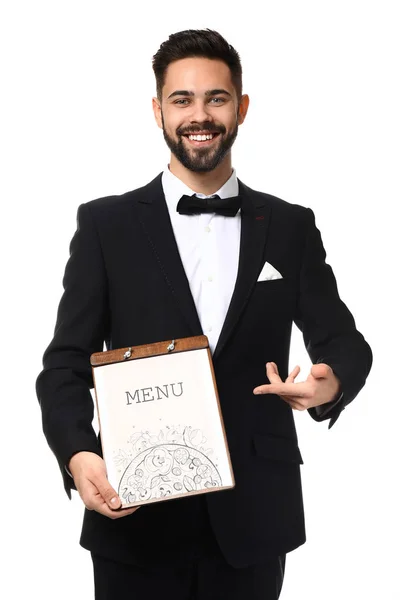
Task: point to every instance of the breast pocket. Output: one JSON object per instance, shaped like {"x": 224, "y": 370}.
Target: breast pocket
{"x": 273, "y": 282}
{"x": 278, "y": 294}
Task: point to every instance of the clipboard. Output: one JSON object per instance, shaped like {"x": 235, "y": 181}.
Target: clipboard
{"x": 160, "y": 421}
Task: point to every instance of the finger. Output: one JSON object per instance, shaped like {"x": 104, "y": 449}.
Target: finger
{"x": 321, "y": 371}
{"x": 302, "y": 390}
{"x": 273, "y": 373}
{"x": 106, "y": 491}
{"x": 87, "y": 492}
{"x": 90, "y": 495}
{"x": 93, "y": 500}
{"x": 103, "y": 508}
{"x": 125, "y": 512}
{"x": 292, "y": 376}
{"x": 294, "y": 404}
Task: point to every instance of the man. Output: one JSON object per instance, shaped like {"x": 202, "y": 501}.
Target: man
{"x": 239, "y": 265}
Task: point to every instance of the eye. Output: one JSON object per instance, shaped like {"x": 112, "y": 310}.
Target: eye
{"x": 217, "y": 100}
{"x": 181, "y": 101}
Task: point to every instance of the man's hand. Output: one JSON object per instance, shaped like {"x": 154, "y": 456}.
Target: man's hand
{"x": 320, "y": 387}
{"x": 89, "y": 473}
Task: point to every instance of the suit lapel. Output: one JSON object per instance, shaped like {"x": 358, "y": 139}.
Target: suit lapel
{"x": 154, "y": 217}
{"x": 254, "y": 226}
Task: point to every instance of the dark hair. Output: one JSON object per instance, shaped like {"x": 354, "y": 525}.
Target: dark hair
{"x": 204, "y": 43}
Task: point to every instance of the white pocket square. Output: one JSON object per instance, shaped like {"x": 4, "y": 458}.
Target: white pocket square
{"x": 269, "y": 272}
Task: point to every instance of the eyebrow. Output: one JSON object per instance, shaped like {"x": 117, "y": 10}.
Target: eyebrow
{"x": 207, "y": 93}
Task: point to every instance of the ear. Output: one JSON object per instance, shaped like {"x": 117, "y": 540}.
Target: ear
{"x": 157, "y": 111}
{"x": 243, "y": 108}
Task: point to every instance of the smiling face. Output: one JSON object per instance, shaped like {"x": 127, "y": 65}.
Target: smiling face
{"x": 199, "y": 112}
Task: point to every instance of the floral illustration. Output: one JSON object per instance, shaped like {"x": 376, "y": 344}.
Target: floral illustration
{"x": 173, "y": 462}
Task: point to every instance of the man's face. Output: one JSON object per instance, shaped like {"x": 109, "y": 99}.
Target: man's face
{"x": 199, "y": 112}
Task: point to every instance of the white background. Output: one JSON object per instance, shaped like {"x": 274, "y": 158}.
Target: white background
{"x": 322, "y": 130}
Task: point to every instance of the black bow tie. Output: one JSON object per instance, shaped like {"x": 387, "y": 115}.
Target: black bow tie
{"x": 193, "y": 205}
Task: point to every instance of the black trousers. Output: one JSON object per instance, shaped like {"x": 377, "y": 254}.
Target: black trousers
{"x": 206, "y": 578}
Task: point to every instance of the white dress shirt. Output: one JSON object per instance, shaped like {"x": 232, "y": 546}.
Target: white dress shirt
{"x": 209, "y": 248}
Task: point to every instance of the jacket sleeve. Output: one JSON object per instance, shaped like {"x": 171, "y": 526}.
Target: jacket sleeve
{"x": 329, "y": 330}
{"x": 63, "y": 387}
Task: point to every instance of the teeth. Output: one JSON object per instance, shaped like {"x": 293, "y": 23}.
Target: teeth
{"x": 201, "y": 138}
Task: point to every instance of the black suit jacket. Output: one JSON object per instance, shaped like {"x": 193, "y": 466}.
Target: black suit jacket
{"x": 125, "y": 285}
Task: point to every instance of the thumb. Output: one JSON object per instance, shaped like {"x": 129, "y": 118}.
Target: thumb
{"x": 108, "y": 493}
{"x": 320, "y": 371}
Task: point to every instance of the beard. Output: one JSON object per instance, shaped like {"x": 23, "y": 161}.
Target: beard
{"x": 201, "y": 160}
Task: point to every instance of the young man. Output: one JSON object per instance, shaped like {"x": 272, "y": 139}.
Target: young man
{"x": 198, "y": 251}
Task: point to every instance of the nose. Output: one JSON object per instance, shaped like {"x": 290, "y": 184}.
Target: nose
{"x": 199, "y": 113}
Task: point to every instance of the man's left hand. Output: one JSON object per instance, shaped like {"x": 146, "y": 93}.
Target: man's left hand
{"x": 321, "y": 386}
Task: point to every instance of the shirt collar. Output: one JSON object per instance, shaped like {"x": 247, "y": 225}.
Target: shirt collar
{"x": 174, "y": 188}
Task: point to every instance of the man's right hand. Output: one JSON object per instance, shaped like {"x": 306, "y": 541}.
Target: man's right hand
{"x": 90, "y": 477}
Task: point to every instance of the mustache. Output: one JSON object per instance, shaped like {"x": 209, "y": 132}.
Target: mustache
{"x": 201, "y": 127}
